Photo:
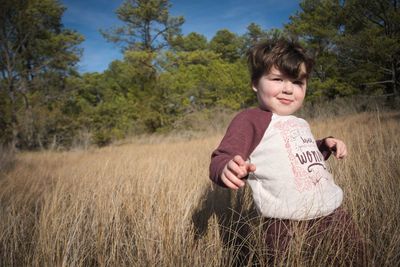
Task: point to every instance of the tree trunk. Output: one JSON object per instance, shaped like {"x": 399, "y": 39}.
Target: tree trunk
{"x": 11, "y": 93}
{"x": 14, "y": 119}
{"x": 394, "y": 77}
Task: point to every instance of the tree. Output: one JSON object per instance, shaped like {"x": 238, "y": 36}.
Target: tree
{"x": 370, "y": 39}
{"x": 35, "y": 52}
{"x": 148, "y": 30}
{"x": 227, "y": 44}
{"x": 255, "y": 34}
{"x": 354, "y": 42}
{"x": 318, "y": 25}
{"x": 148, "y": 25}
{"x": 191, "y": 42}
{"x": 201, "y": 79}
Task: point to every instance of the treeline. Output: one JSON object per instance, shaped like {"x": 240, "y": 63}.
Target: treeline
{"x": 164, "y": 75}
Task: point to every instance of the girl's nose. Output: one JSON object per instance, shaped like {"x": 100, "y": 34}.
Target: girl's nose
{"x": 287, "y": 88}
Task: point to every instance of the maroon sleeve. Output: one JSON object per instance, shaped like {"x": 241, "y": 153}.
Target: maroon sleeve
{"x": 242, "y": 136}
{"x": 325, "y": 151}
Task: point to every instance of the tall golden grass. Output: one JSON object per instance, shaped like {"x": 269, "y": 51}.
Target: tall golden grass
{"x": 150, "y": 203}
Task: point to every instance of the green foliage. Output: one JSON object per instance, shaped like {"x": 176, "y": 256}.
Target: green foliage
{"x": 191, "y": 42}
{"x": 318, "y": 25}
{"x": 202, "y": 80}
{"x": 370, "y": 42}
{"x": 255, "y": 34}
{"x": 228, "y": 85}
{"x": 354, "y": 42}
{"x": 227, "y": 44}
{"x": 148, "y": 25}
{"x": 104, "y": 108}
{"x": 36, "y": 53}
{"x": 330, "y": 88}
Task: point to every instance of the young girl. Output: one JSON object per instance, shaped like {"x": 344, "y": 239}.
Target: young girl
{"x": 276, "y": 153}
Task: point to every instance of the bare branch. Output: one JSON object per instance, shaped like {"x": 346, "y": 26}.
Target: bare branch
{"x": 379, "y": 82}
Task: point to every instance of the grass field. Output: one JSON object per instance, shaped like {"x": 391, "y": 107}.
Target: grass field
{"x": 149, "y": 202}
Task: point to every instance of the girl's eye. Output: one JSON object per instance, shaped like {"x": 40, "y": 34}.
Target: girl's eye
{"x": 298, "y": 83}
{"x": 277, "y": 79}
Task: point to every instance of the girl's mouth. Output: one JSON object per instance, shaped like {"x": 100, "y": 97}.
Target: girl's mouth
{"x": 285, "y": 101}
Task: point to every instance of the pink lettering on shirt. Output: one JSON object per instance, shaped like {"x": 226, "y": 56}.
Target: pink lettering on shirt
{"x": 307, "y": 163}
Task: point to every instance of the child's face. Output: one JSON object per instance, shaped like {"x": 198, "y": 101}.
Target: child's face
{"x": 281, "y": 94}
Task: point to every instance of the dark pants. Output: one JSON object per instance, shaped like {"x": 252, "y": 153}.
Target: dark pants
{"x": 336, "y": 234}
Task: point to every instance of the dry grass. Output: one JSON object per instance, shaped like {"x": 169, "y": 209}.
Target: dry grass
{"x": 150, "y": 203}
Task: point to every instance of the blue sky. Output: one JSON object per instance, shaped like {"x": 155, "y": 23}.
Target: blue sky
{"x": 201, "y": 16}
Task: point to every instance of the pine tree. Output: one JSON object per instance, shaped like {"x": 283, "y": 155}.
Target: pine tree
{"x": 36, "y": 52}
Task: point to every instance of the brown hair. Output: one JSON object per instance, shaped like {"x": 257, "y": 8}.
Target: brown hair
{"x": 286, "y": 55}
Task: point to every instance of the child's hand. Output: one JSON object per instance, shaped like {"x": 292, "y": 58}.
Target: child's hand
{"x": 338, "y": 147}
{"x": 234, "y": 171}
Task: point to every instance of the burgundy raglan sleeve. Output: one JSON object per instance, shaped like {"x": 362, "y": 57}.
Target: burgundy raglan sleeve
{"x": 242, "y": 136}
{"x": 323, "y": 148}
